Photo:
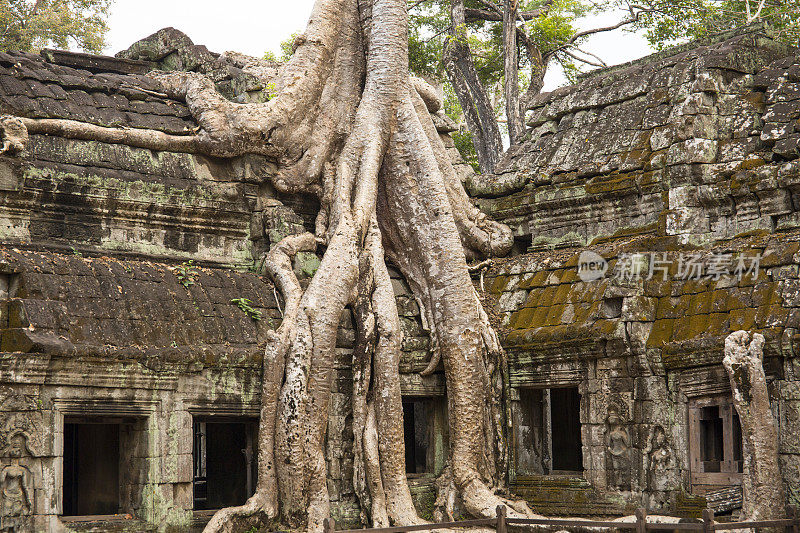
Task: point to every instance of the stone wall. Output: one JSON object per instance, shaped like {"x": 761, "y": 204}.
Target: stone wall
{"x": 650, "y": 346}
{"x": 689, "y": 155}
{"x": 690, "y": 151}
{"x": 121, "y": 270}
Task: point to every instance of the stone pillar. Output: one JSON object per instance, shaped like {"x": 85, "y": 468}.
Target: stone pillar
{"x": 166, "y": 487}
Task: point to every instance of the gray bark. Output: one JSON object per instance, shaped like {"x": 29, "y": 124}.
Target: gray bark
{"x": 764, "y": 496}
{"x": 511, "y": 67}
{"x": 472, "y": 96}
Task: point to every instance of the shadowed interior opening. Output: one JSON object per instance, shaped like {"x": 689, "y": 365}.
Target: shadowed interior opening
{"x": 91, "y": 468}
{"x": 224, "y": 462}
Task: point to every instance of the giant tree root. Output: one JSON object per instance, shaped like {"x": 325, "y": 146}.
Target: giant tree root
{"x": 763, "y": 494}
{"x": 350, "y": 126}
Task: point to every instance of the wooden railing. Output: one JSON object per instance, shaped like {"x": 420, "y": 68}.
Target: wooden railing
{"x": 641, "y": 525}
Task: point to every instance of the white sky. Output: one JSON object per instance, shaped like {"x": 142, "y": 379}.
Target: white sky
{"x": 255, "y": 26}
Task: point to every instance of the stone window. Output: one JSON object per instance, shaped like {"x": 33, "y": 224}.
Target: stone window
{"x": 548, "y": 431}
{"x": 224, "y": 461}
{"x": 715, "y": 443}
{"x": 97, "y": 467}
{"x": 9, "y": 283}
{"x": 423, "y": 430}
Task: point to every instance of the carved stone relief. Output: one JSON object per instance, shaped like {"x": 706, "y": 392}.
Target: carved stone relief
{"x": 618, "y": 445}
{"x": 20, "y": 446}
{"x": 659, "y": 461}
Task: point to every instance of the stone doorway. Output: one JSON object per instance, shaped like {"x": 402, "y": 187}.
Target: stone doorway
{"x": 424, "y": 432}
{"x": 224, "y": 461}
{"x": 565, "y": 424}
{"x": 548, "y": 431}
{"x": 715, "y": 444}
{"x": 91, "y": 467}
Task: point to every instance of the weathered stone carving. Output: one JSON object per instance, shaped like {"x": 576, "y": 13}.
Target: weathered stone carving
{"x": 618, "y": 463}
{"x": 16, "y": 481}
{"x": 659, "y": 461}
{"x": 20, "y": 415}
{"x": 14, "y": 135}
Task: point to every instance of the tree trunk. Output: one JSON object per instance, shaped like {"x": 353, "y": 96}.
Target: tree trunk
{"x": 478, "y": 112}
{"x": 538, "y": 71}
{"x": 764, "y": 497}
{"x": 514, "y": 114}
{"x": 350, "y": 127}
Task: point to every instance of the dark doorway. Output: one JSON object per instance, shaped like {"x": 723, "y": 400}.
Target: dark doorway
{"x": 738, "y": 458}
{"x": 415, "y": 432}
{"x": 224, "y": 463}
{"x": 565, "y": 409}
{"x": 91, "y": 468}
{"x": 711, "y": 439}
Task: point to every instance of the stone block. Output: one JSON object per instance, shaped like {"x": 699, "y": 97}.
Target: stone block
{"x": 789, "y": 468}
{"x": 639, "y": 308}
{"x": 183, "y": 496}
{"x": 789, "y": 427}
{"x": 789, "y": 147}
{"x": 183, "y": 470}
{"x": 661, "y": 138}
{"x": 692, "y": 151}
{"x": 400, "y": 288}
{"x": 790, "y": 292}
{"x": 776, "y": 130}
{"x": 512, "y": 301}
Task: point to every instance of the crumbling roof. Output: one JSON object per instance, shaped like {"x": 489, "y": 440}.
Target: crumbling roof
{"x": 550, "y": 314}
{"x": 664, "y": 145}
{"x": 67, "y": 305}
{"x": 745, "y": 51}
{"x": 43, "y": 86}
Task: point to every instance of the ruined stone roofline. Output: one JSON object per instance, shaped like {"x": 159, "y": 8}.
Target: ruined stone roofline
{"x": 167, "y": 318}
{"x": 546, "y": 308}
{"x": 116, "y": 100}
{"x": 95, "y": 252}
{"x": 756, "y": 28}
{"x": 755, "y": 36}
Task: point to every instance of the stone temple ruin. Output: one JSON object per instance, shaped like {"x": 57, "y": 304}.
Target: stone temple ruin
{"x": 133, "y": 319}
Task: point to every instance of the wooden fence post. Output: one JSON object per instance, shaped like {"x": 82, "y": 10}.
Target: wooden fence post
{"x": 329, "y": 525}
{"x": 708, "y": 520}
{"x": 501, "y": 519}
{"x": 641, "y": 520}
{"x": 794, "y": 514}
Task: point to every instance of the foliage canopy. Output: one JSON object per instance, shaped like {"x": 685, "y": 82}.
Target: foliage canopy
{"x": 668, "y": 22}
{"x": 30, "y": 25}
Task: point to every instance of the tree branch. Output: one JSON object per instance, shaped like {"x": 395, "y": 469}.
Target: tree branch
{"x": 483, "y": 14}
{"x": 636, "y": 13}
{"x": 584, "y": 60}
{"x": 598, "y": 58}
{"x": 417, "y": 3}
{"x": 758, "y": 11}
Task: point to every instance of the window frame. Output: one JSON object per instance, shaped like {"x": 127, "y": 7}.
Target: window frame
{"x": 729, "y": 467}
{"x": 545, "y": 405}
